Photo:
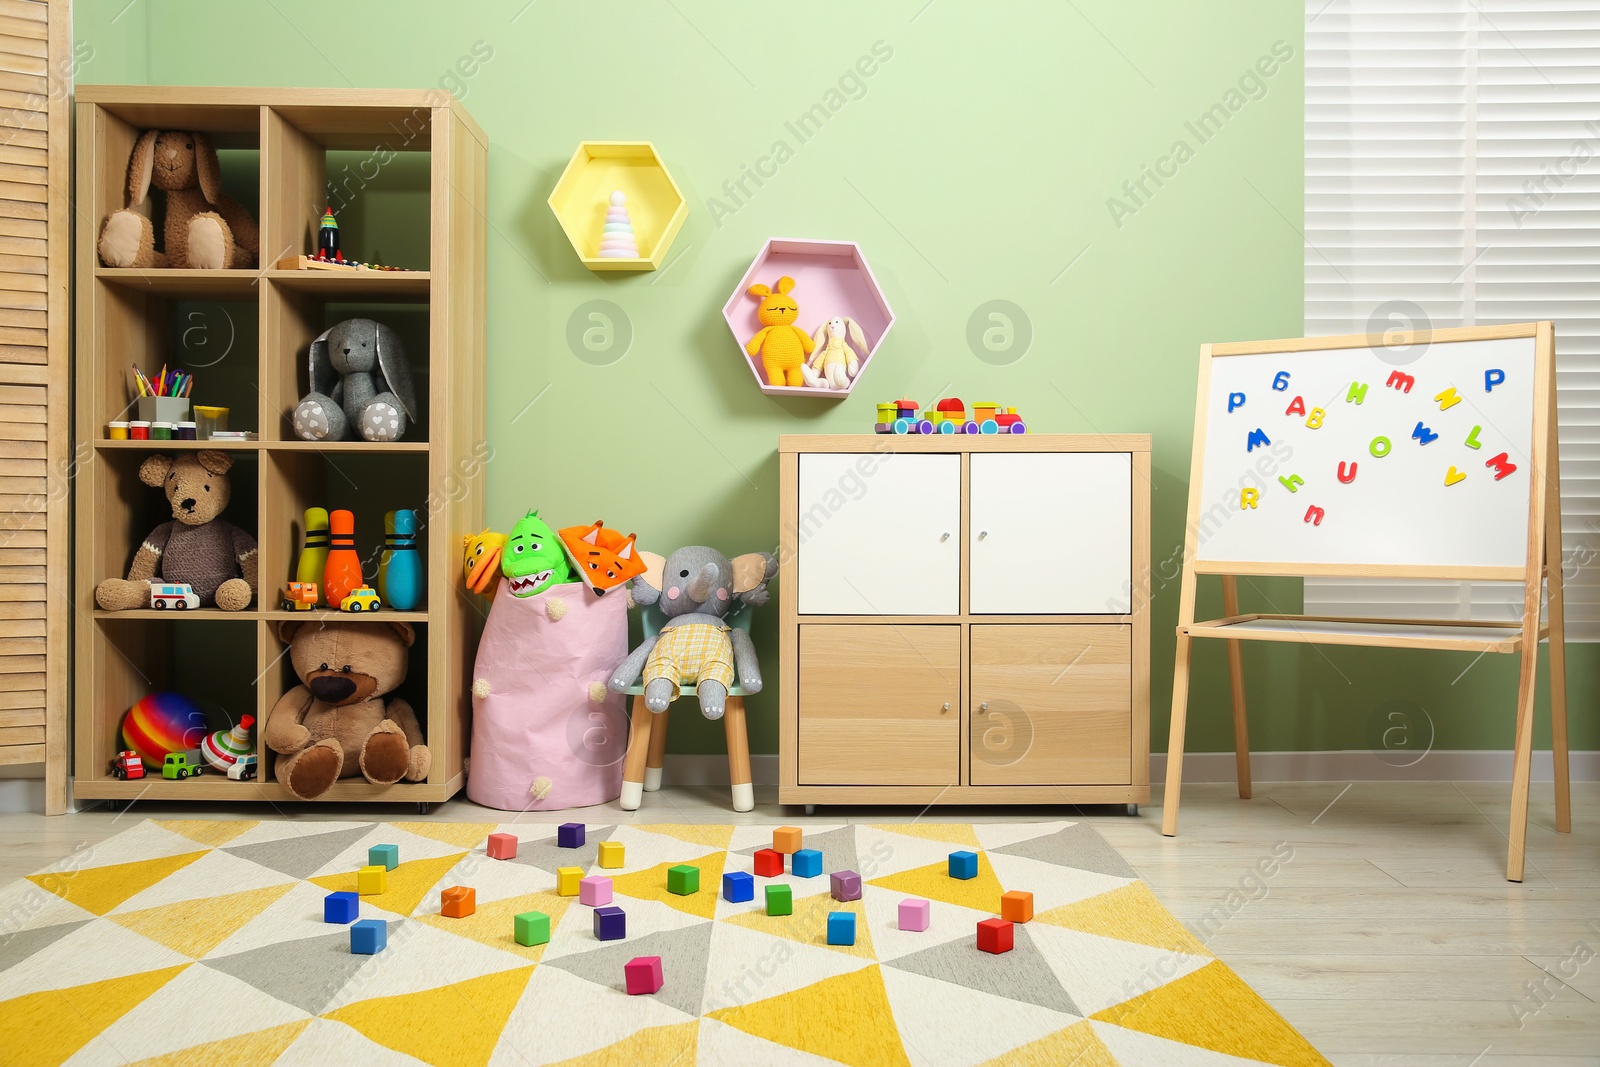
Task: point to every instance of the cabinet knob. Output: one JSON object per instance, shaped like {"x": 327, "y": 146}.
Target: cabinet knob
{"x": 944, "y": 537}
{"x": 982, "y": 534}
{"x": 946, "y": 705}
{"x": 984, "y": 706}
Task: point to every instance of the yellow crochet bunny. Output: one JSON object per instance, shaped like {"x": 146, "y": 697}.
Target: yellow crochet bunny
{"x": 781, "y": 344}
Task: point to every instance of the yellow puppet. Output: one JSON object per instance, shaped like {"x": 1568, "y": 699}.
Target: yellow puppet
{"x": 781, "y": 344}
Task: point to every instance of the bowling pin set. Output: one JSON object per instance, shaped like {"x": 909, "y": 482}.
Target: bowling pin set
{"x": 329, "y": 559}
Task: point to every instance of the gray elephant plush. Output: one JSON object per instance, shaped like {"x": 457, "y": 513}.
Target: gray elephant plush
{"x": 360, "y": 385}
{"x": 694, "y": 588}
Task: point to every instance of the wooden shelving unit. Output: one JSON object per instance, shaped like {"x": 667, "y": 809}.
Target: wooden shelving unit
{"x": 127, "y": 316}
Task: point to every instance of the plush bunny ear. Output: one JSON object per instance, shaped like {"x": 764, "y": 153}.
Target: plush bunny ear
{"x": 396, "y": 372}
{"x": 759, "y": 290}
{"x": 820, "y": 338}
{"x": 752, "y": 569}
{"x": 141, "y": 165}
{"x": 857, "y": 338}
{"x": 207, "y": 167}
{"x": 654, "y": 569}
{"x": 320, "y": 370}
{"x": 785, "y": 283}
{"x": 154, "y": 471}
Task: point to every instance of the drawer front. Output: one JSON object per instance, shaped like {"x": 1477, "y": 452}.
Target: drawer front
{"x": 878, "y": 534}
{"x": 879, "y": 705}
{"x": 1051, "y": 533}
{"x": 1051, "y": 705}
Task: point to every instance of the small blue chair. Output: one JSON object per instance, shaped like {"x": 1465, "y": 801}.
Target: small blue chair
{"x": 647, "y": 740}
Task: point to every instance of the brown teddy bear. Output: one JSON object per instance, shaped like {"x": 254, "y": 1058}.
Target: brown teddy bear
{"x": 215, "y": 557}
{"x": 205, "y": 228}
{"x": 337, "y": 724}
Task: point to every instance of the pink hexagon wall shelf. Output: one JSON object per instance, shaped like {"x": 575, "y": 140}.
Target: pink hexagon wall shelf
{"x": 831, "y": 278}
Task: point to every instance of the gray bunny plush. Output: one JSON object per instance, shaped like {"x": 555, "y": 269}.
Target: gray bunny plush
{"x": 694, "y": 588}
{"x": 360, "y": 385}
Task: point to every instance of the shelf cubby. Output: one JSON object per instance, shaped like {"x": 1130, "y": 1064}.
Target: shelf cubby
{"x": 406, "y": 171}
{"x": 656, "y": 206}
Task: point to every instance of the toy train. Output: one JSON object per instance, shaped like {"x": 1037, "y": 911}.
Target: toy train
{"x": 947, "y": 416}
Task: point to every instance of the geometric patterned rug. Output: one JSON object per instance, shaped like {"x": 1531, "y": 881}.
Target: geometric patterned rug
{"x": 200, "y": 942}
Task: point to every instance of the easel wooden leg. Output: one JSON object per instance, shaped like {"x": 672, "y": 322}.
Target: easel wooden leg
{"x": 1180, "y": 715}
{"x": 658, "y": 752}
{"x": 638, "y": 750}
{"x": 1241, "y": 722}
{"x": 1522, "y": 767}
{"x": 1555, "y": 582}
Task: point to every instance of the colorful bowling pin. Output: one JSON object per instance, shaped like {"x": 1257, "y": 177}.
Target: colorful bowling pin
{"x": 388, "y": 551}
{"x": 405, "y": 564}
{"x": 314, "y": 552}
{"x": 343, "y": 570}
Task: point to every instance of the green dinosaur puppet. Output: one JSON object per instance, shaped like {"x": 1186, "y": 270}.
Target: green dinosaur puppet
{"x": 532, "y": 560}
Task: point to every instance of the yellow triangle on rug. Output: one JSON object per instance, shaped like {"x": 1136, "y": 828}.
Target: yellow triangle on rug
{"x": 934, "y": 882}
{"x": 846, "y": 1018}
{"x": 213, "y": 832}
{"x": 676, "y": 1044}
{"x": 1190, "y": 1010}
{"x": 947, "y": 832}
{"x": 809, "y": 924}
{"x": 494, "y": 923}
{"x": 1077, "y": 1045}
{"x": 195, "y": 927}
{"x": 257, "y": 1049}
{"x": 458, "y": 1024}
{"x": 651, "y": 884}
{"x": 407, "y": 884}
{"x": 711, "y": 836}
{"x": 1127, "y": 913}
{"x": 99, "y": 889}
{"x": 459, "y": 834}
{"x": 46, "y": 1028}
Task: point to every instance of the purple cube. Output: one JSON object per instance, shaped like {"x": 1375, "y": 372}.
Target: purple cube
{"x": 914, "y": 914}
{"x": 610, "y": 923}
{"x": 594, "y": 890}
{"x": 569, "y": 835}
{"x": 846, "y": 885}
{"x": 340, "y": 907}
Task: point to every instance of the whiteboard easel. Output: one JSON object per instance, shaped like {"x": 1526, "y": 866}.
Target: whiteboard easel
{"x": 1433, "y": 456}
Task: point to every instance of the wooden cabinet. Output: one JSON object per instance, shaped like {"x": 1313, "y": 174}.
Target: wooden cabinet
{"x": 964, "y": 619}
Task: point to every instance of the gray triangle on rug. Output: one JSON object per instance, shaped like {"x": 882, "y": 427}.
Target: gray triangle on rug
{"x": 548, "y": 856}
{"x": 1021, "y": 974}
{"x": 306, "y": 974}
{"x": 685, "y": 954}
{"x": 1076, "y": 846}
{"x": 14, "y": 948}
{"x": 303, "y": 855}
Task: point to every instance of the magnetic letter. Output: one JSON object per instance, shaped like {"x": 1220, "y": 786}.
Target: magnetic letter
{"x": 1314, "y": 515}
{"x": 1491, "y": 378}
{"x": 1257, "y": 437}
{"x": 1501, "y": 464}
{"x": 1452, "y": 476}
{"x": 1248, "y": 498}
{"x": 1314, "y": 420}
{"x": 1423, "y": 434}
{"x": 1380, "y": 447}
{"x": 1448, "y": 399}
{"x": 1472, "y": 438}
{"x": 1345, "y": 477}
{"x": 1291, "y": 482}
{"x": 1296, "y": 407}
{"x": 1280, "y": 381}
{"x": 1402, "y": 382}
{"x": 1357, "y": 393}
{"x": 1235, "y": 400}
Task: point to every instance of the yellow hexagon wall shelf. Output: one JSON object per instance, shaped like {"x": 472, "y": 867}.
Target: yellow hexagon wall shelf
{"x": 655, "y": 207}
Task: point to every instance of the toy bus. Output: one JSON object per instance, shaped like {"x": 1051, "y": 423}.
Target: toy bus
{"x": 177, "y": 595}
{"x": 947, "y": 416}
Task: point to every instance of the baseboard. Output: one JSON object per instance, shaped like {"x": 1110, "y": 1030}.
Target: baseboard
{"x": 21, "y": 794}
{"x": 1445, "y": 765}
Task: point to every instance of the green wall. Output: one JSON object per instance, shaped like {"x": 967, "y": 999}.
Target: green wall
{"x": 983, "y": 160}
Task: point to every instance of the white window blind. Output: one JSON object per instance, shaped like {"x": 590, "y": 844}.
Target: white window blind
{"x": 1453, "y": 178}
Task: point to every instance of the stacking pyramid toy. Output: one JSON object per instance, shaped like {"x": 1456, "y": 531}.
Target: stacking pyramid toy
{"x": 616, "y": 241}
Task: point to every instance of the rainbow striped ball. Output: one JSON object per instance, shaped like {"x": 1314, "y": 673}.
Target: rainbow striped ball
{"x": 162, "y": 723}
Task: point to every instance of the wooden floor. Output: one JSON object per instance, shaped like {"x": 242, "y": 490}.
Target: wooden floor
{"x": 1387, "y": 932}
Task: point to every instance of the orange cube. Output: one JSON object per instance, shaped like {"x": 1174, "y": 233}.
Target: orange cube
{"x": 786, "y": 839}
{"x": 458, "y": 902}
{"x": 1016, "y": 906}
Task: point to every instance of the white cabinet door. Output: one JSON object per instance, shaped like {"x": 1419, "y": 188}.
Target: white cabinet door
{"x": 1051, "y": 533}
{"x": 879, "y": 534}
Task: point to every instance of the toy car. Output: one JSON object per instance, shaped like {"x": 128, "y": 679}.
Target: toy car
{"x": 127, "y": 765}
{"x": 948, "y": 416}
{"x": 179, "y": 595}
{"x": 361, "y": 598}
{"x": 181, "y": 764}
{"x": 299, "y": 596}
{"x": 243, "y": 768}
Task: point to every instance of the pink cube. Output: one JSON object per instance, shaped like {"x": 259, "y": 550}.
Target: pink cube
{"x": 594, "y": 891}
{"x": 914, "y": 914}
{"x": 502, "y": 846}
{"x": 643, "y": 975}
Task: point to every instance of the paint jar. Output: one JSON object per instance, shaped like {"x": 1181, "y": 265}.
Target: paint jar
{"x": 161, "y": 431}
{"x": 209, "y": 419}
{"x": 138, "y": 430}
{"x": 117, "y": 430}
{"x": 183, "y": 431}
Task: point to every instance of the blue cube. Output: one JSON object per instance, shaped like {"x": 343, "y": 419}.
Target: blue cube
{"x": 963, "y": 865}
{"x": 340, "y": 907}
{"x": 570, "y": 835}
{"x": 368, "y": 937}
{"x": 841, "y": 928}
{"x": 610, "y": 923}
{"x": 738, "y": 887}
{"x": 806, "y": 863}
{"x": 385, "y": 856}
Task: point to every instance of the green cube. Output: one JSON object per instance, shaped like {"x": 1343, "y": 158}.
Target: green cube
{"x": 533, "y": 928}
{"x": 780, "y": 900}
{"x": 683, "y": 879}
